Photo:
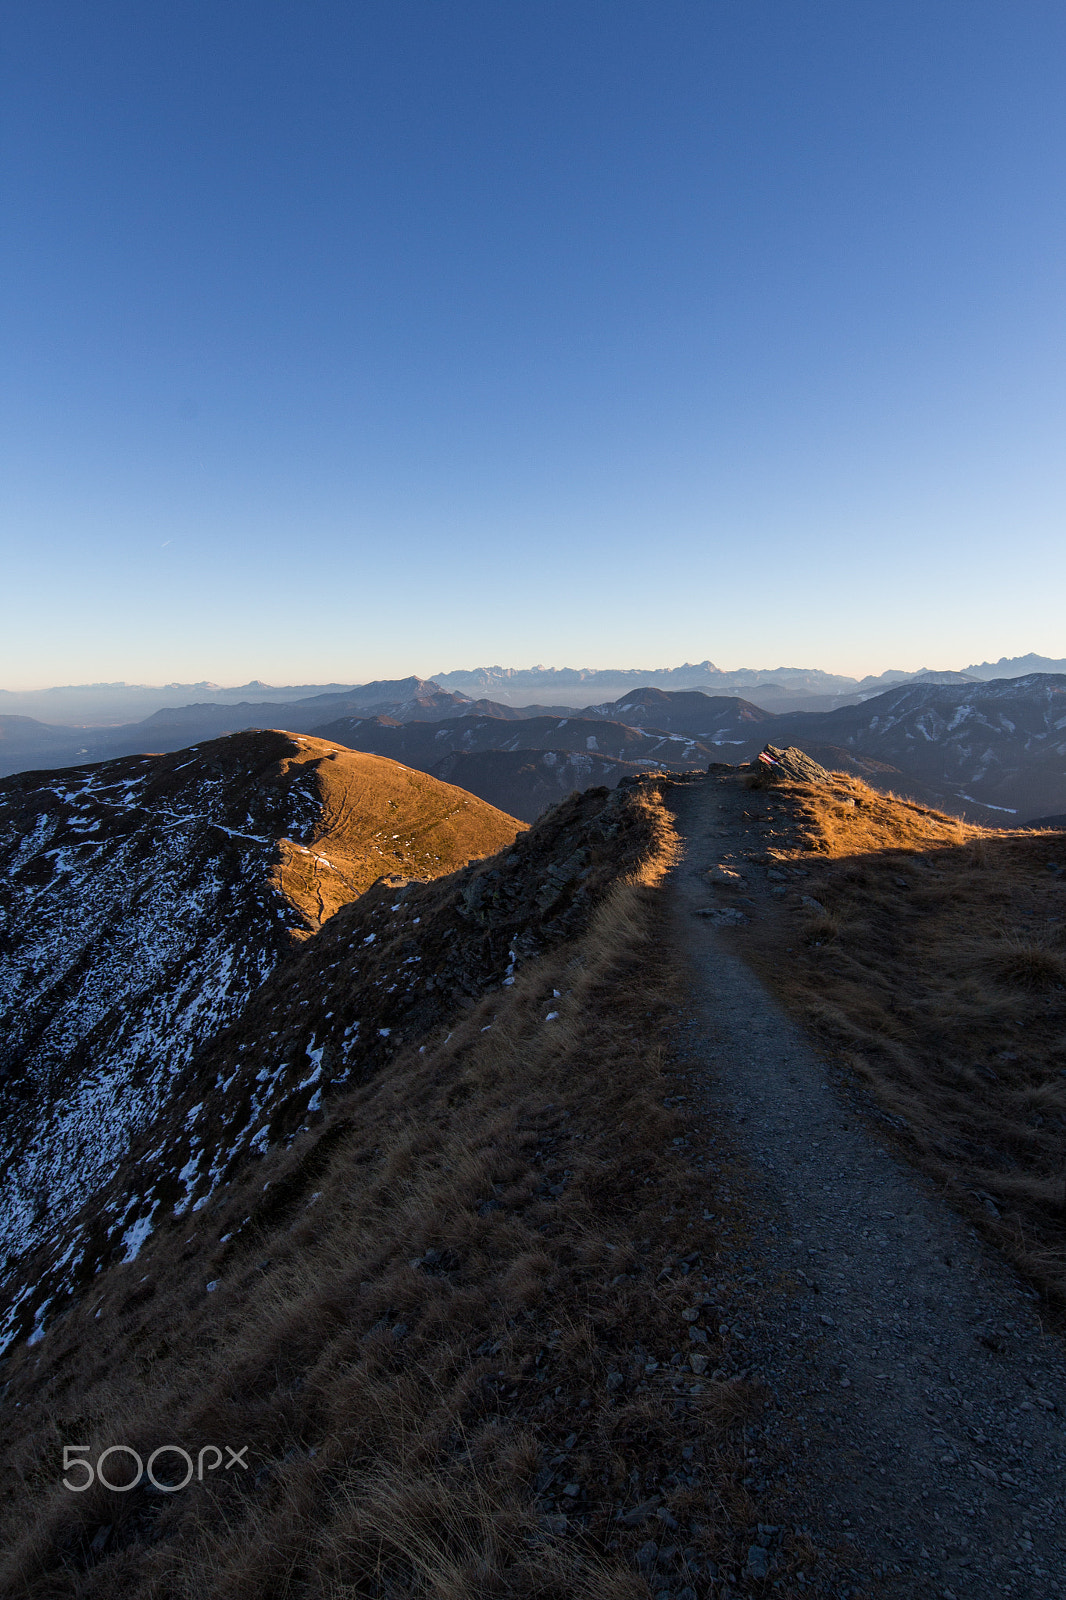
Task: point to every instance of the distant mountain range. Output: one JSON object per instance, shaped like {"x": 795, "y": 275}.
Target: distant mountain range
{"x": 989, "y": 749}
{"x": 765, "y": 685}
{"x": 534, "y": 762}
{"x": 994, "y": 752}
{"x": 106, "y": 704}
{"x": 26, "y": 743}
{"x": 86, "y": 704}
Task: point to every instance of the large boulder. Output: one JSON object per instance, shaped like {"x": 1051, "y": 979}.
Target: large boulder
{"x": 788, "y": 766}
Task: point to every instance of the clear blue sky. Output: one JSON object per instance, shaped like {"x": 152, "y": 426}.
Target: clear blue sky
{"x": 346, "y": 339}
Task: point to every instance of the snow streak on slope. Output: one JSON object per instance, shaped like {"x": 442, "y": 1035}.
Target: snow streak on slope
{"x": 144, "y": 902}
{"x": 136, "y": 918}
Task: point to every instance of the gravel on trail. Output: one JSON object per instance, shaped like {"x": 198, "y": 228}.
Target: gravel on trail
{"x": 916, "y": 1406}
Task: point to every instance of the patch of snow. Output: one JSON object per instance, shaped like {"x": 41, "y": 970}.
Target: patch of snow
{"x": 312, "y": 1078}
{"x": 134, "y": 1237}
{"x": 1011, "y": 810}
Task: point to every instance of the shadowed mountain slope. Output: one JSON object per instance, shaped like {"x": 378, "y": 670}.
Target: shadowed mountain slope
{"x": 978, "y": 749}
{"x": 715, "y": 718}
{"x": 528, "y": 765}
{"x": 533, "y": 780}
{"x": 390, "y": 967}
{"x": 425, "y": 743}
{"x": 26, "y": 744}
{"x": 144, "y": 900}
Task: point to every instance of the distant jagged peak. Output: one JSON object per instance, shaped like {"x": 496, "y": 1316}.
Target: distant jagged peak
{"x": 690, "y": 675}
{"x": 395, "y": 688}
{"x": 949, "y": 690}
{"x": 930, "y": 675}
{"x": 527, "y": 676}
{"x": 1016, "y": 666}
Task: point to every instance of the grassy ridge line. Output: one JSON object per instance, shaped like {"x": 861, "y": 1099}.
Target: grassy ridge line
{"x": 373, "y": 815}
{"x": 932, "y": 961}
{"x": 460, "y": 1279}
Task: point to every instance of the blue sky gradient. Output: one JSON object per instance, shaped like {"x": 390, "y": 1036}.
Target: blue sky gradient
{"x": 346, "y": 340}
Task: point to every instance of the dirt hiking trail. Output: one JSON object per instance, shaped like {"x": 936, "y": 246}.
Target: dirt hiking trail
{"x": 916, "y": 1406}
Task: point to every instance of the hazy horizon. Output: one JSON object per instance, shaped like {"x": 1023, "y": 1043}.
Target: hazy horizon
{"x": 320, "y": 681}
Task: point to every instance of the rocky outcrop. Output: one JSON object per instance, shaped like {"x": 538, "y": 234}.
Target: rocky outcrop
{"x": 788, "y": 766}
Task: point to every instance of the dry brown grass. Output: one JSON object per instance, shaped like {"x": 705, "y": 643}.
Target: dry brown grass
{"x": 448, "y": 1294}
{"x": 936, "y": 969}
{"x": 377, "y": 817}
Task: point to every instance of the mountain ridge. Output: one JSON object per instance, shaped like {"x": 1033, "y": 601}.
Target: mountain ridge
{"x": 104, "y": 703}
{"x": 144, "y": 900}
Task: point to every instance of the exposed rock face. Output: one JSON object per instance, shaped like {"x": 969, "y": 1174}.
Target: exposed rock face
{"x": 143, "y": 901}
{"x": 789, "y": 765}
